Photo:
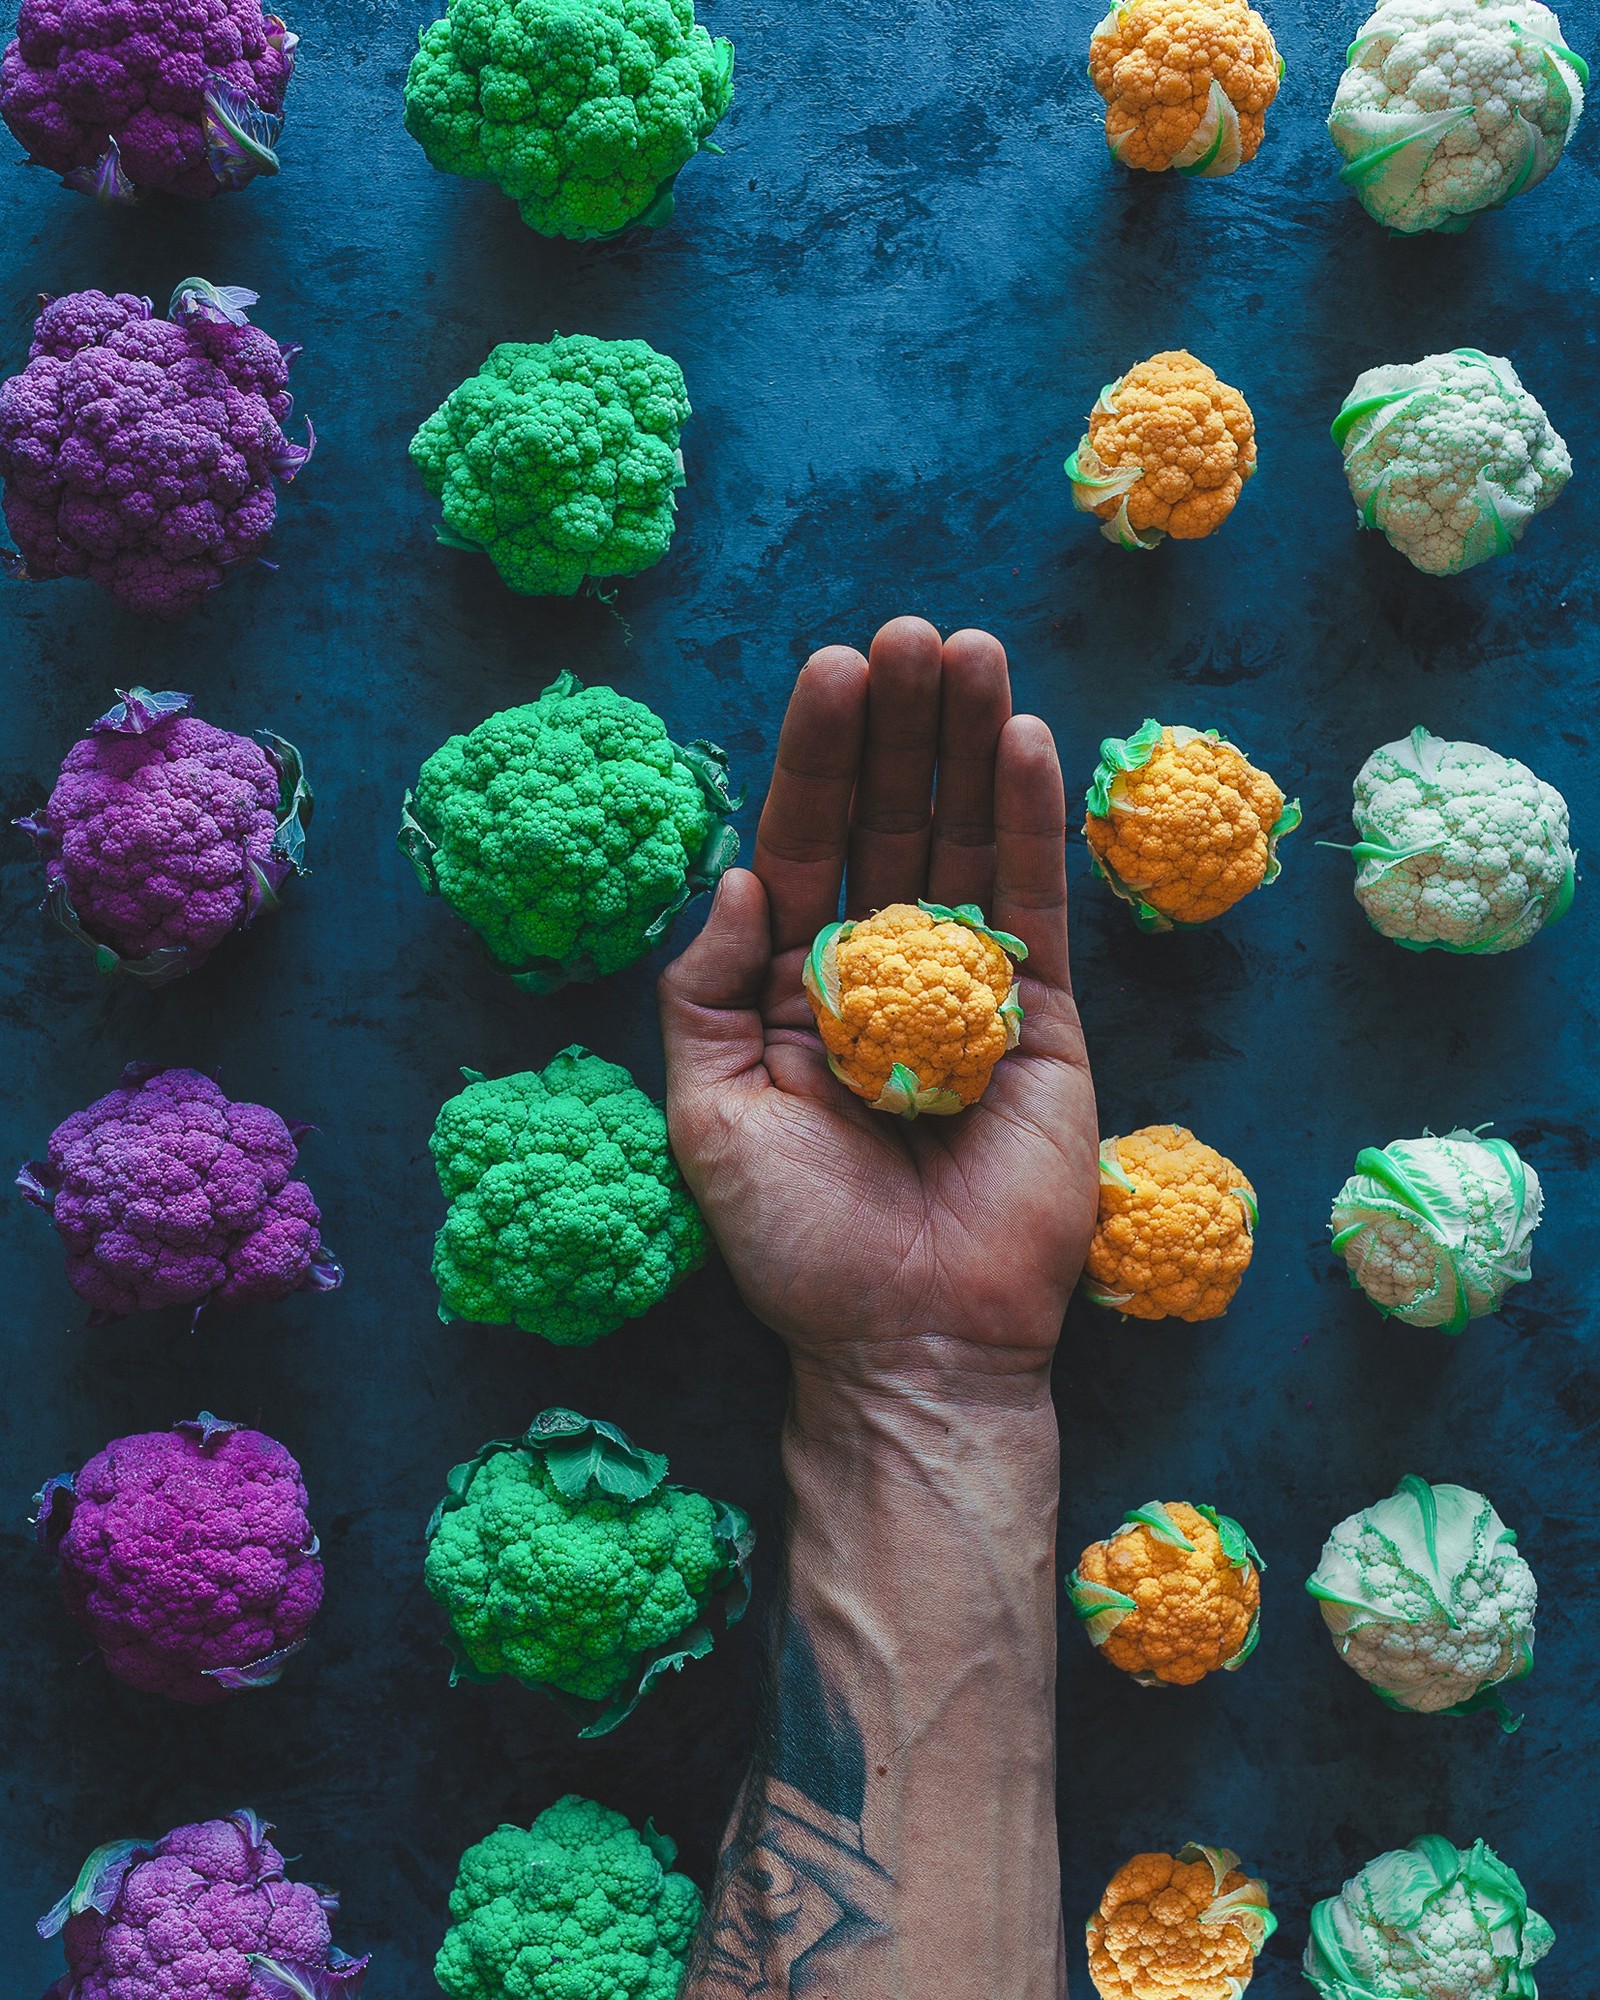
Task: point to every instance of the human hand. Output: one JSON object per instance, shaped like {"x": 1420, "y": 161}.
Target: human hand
{"x": 874, "y": 1246}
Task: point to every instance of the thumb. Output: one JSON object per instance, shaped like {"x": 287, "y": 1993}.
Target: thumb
{"x": 710, "y": 995}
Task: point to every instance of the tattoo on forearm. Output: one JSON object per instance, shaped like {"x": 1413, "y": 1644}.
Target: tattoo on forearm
{"x": 797, "y": 1889}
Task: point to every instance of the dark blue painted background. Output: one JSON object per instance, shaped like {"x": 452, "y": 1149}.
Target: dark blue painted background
{"x": 894, "y": 301}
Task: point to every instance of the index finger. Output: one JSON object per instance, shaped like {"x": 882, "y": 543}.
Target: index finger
{"x": 805, "y": 823}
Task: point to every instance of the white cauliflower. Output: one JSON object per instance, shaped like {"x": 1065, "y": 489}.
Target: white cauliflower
{"x": 1428, "y": 1599}
{"x": 1460, "y": 849}
{"x": 1449, "y": 456}
{"x": 1431, "y": 1921}
{"x": 1452, "y": 106}
{"x": 1436, "y": 1231}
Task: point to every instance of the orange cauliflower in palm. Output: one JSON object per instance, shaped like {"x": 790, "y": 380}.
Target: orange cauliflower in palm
{"x": 1179, "y": 1927}
{"x": 1167, "y": 452}
{"x": 1182, "y": 824}
{"x": 916, "y": 1005}
{"x": 1175, "y": 1230}
{"x": 1173, "y": 1595}
{"x": 1186, "y": 83}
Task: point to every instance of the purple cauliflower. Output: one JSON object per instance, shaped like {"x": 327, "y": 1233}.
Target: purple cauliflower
{"x": 164, "y": 834}
{"x": 140, "y": 452}
{"x": 205, "y": 1913}
{"x": 187, "y": 1555}
{"x": 165, "y": 1193}
{"x": 120, "y": 97}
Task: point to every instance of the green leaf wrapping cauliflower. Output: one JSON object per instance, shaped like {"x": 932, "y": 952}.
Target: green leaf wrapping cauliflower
{"x": 1429, "y": 1601}
{"x": 577, "y": 1907}
{"x": 1460, "y": 849}
{"x": 559, "y": 461}
{"x": 567, "y": 1211}
{"x": 1431, "y": 1921}
{"x": 1450, "y": 457}
{"x": 583, "y": 111}
{"x": 1453, "y": 106}
{"x": 1437, "y": 1231}
{"x": 570, "y": 832}
{"x": 564, "y": 1559}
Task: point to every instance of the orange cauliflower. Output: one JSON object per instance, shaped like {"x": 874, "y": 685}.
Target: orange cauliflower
{"x": 1176, "y": 1227}
{"x": 916, "y": 1005}
{"x": 1182, "y": 824}
{"x": 1174, "y": 1595}
{"x": 1167, "y": 452}
{"x": 1186, "y": 83}
{"x": 1179, "y": 1927}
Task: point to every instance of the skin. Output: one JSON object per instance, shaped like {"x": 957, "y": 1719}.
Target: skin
{"x": 899, "y": 1815}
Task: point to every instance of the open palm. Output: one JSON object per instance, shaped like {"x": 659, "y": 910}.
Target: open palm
{"x": 871, "y": 1244}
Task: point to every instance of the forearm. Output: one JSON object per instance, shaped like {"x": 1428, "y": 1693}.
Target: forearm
{"x": 897, "y": 1838}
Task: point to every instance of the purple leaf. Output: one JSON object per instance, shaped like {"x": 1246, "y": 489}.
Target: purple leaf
{"x": 206, "y": 1426}
{"x": 98, "y": 1885}
{"x": 284, "y": 1979}
{"x": 14, "y": 566}
{"x": 106, "y": 180}
{"x": 324, "y": 1273}
{"x": 53, "y": 1505}
{"x": 262, "y": 1673}
{"x": 291, "y": 458}
{"x": 240, "y": 136}
{"x": 38, "y": 1181}
{"x": 136, "y": 710}
{"x": 219, "y": 305}
{"x": 254, "y": 1828}
{"x": 281, "y": 36}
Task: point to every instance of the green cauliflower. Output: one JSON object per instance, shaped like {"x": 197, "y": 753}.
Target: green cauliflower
{"x": 563, "y": 1558}
{"x": 583, "y": 111}
{"x": 1428, "y": 1599}
{"x": 1436, "y": 1231}
{"x": 1450, "y": 457}
{"x": 567, "y": 1211}
{"x": 559, "y": 461}
{"x": 1431, "y": 1921}
{"x": 577, "y": 1907}
{"x": 570, "y": 832}
{"x": 1449, "y": 107}
{"x": 1460, "y": 849}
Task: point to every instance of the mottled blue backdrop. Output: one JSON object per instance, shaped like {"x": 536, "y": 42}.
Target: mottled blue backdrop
{"x": 894, "y": 301}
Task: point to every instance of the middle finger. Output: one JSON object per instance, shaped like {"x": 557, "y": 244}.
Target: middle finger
{"x": 893, "y": 815}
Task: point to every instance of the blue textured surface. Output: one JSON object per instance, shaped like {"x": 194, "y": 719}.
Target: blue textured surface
{"x": 894, "y": 301}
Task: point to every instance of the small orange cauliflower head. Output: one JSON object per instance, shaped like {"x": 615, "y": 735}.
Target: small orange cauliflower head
{"x": 1186, "y": 83}
{"x": 1176, "y": 1227}
{"x": 1182, "y": 825}
{"x": 1184, "y": 1926}
{"x": 916, "y": 1005}
{"x": 1167, "y": 452}
{"x": 1173, "y": 1595}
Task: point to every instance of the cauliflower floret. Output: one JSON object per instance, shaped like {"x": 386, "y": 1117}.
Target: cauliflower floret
{"x": 1167, "y": 452}
{"x": 1450, "y": 457}
{"x": 1452, "y": 106}
{"x": 1176, "y": 1227}
{"x": 1437, "y": 1231}
{"x": 1174, "y": 1595}
{"x": 564, "y": 1558}
{"x": 569, "y": 832}
{"x": 583, "y": 111}
{"x": 1179, "y": 1927}
{"x": 1428, "y": 1599}
{"x": 1182, "y": 824}
{"x": 207, "y": 1909}
{"x": 567, "y": 1211}
{"x": 1431, "y": 1922}
{"x": 1460, "y": 849}
{"x": 916, "y": 1005}
{"x": 559, "y": 461}
{"x": 1187, "y": 83}
{"x": 577, "y": 1907}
